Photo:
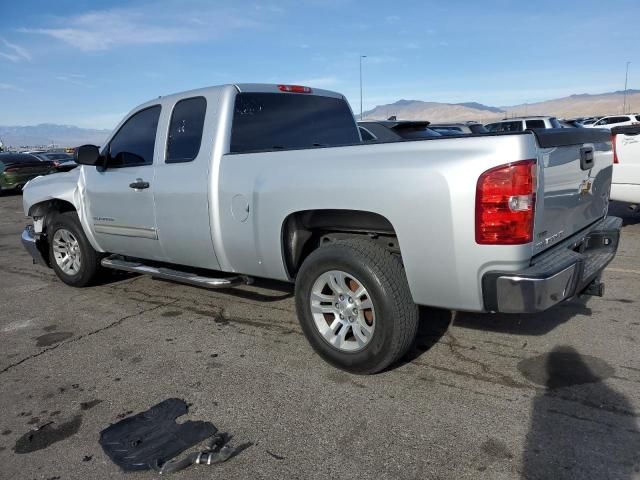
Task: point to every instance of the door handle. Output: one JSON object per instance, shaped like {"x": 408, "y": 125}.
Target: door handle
{"x": 139, "y": 184}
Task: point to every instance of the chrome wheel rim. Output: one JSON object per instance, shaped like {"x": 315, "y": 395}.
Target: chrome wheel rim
{"x": 342, "y": 311}
{"x": 66, "y": 251}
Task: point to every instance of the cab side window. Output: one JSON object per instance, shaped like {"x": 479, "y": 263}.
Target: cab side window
{"x": 185, "y": 130}
{"x": 134, "y": 143}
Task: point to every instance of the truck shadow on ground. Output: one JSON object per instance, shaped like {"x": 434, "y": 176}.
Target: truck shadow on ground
{"x": 434, "y": 323}
{"x": 525, "y": 324}
{"x": 580, "y": 427}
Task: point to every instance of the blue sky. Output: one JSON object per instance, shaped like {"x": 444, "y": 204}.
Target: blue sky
{"x": 87, "y": 63}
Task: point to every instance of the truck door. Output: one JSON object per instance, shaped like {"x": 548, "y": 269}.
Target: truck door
{"x": 182, "y": 183}
{"x": 119, "y": 198}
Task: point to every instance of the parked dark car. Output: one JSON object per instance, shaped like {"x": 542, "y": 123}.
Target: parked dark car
{"x": 16, "y": 169}
{"x": 458, "y": 128}
{"x": 394, "y": 130}
{"x": 63, "y": 162}
{"x": 571, "y": 124}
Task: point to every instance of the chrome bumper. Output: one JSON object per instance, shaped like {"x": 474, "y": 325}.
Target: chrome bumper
{"x": 29, "y": 243}
{"x": 565, "y": 271}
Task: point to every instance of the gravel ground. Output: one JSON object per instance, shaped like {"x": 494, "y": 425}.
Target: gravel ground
{"x": 547, "y": 396}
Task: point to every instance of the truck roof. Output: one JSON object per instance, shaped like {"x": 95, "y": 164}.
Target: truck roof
{"x": 240, "y": 87}
{"x": 243, "y": 87}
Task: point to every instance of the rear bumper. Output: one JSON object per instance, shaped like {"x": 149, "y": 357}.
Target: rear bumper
{"x": 556, "y": 275}
{"x": 29, "y": 242}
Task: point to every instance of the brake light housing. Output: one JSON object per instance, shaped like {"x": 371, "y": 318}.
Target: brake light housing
{"x": 613, "y": 146}
{"x": 294, "y": 89}
{"x": 505, "y": 204}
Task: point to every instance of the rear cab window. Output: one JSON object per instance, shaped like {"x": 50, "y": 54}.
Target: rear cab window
{"x": 286, "y": 121}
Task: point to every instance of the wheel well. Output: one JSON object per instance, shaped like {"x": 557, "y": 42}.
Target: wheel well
{"x": 56, "y": 205}
{"x": 303, "y": 232}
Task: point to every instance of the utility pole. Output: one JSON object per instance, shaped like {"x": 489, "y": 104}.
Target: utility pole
{"x": 361, "y": 57}
{"x": 626, "y": 79}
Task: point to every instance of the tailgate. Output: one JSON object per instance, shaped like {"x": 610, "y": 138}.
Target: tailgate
{"x": 574, "y": 180}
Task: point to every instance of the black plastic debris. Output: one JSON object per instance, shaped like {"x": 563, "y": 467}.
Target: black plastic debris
{"x": 152, "y": 438}
{"x": 217, "y": 451}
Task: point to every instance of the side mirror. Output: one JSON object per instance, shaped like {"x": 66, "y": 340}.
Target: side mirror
{"x": 87, "y": 155}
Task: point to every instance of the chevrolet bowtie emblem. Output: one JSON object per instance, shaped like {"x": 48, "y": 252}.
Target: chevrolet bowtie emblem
{"x": 585, "y": 187}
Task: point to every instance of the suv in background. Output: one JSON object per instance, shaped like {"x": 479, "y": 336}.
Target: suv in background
{"x": 520, "y": 124}
{"x": 458, "y": 128}
{"x": 616, "y": 121}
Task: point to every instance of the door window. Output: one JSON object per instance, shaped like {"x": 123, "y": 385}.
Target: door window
{"x": 134, "y": 143}
{"x": 185, "y": 130}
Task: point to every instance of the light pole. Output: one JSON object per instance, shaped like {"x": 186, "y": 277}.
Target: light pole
{"x": 361, "y": 57}
{"x": 626, "y": 78}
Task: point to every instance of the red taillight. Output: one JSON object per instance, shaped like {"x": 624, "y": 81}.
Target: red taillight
{"x": 11, "y": 169}
{"x": 613, "y": 146}
{"x": 505, "y": 204}
{"x": 294, "y": 89}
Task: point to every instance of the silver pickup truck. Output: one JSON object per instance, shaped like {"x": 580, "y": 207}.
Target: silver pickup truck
{"x": 216, "y": 186}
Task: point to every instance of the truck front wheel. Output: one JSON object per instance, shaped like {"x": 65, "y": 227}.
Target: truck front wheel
{"x": 72, "y": 257}
{"x": 354, "y": 305}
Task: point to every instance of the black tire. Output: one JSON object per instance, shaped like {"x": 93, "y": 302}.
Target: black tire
{"x": 90, "y": 268}
{"x": 383, "y": 276}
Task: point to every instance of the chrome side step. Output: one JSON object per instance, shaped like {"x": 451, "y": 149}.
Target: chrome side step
{"x": 118, "y": 263}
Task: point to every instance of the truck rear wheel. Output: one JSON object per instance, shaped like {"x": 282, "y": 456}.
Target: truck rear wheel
{"x": 72, "y": 257}
{"x": 354, "y": 306}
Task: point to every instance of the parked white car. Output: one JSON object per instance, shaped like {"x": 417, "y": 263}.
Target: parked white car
{"x": 616, "y": 121}
{"x": 625, "y": 186}
{"x": 520, "y": 124}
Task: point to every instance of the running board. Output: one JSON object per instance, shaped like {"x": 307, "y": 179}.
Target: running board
{"x": 118, "y": 263}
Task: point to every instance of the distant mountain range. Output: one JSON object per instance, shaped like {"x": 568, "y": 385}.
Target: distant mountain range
{"x": 583, "y": 105}
{"x": 49, "y": 133}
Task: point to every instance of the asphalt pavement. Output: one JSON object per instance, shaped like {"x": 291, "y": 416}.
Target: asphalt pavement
{"x": 548, "y": 396}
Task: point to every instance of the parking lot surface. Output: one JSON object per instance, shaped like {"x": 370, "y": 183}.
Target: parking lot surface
{"x": 549, "y": 396}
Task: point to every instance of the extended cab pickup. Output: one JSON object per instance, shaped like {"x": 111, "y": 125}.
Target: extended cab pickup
{"x": 216, "y": 186}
